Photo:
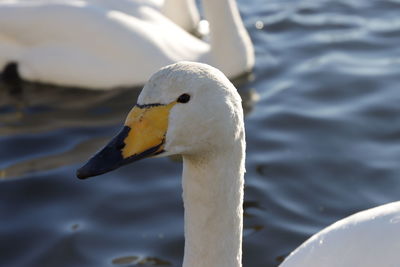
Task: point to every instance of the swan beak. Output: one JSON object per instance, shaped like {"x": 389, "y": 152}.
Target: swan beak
{"x": 142, "y": 136}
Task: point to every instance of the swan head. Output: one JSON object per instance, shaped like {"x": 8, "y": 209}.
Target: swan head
{"x": 186, "y": 108}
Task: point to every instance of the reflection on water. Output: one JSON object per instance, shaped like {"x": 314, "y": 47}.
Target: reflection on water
{"x": 322, "y": 121}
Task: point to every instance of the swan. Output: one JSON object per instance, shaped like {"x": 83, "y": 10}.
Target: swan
{"x": 106, "y": 44}
{"x": 193, "y": 110}
{"x": 369, "y": 238}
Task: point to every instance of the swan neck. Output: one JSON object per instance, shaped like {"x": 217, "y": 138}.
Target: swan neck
{"x": 213, "y": 201}
{"x": 231, "y": 48}
{"x": 183, "y": 12}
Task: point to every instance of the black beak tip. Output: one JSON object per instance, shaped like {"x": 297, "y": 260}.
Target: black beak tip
{"x": 92, "y": 168}
{"x": 108, "y": 159}
{"x": 82, "y": 173}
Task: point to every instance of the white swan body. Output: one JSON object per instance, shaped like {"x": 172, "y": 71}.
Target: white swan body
{"x": 369, "y": 238}
{"x": 104, "y": 44}
{"x": 191, "y": 109}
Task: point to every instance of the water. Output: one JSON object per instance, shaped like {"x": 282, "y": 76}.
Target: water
{"x": 323, "y": 143}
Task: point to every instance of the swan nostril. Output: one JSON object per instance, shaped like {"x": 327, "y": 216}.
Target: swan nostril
{"x": 120, "y": 146}
{"x": 118, "y": 142}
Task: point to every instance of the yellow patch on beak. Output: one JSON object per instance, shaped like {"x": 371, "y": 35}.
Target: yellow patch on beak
{"x": 148, "y": 128}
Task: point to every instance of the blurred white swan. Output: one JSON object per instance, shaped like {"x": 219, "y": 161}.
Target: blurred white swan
{"x": 184, "y": 13}
{"x": 192, "y": 109}
{"x": 104, "y": 44}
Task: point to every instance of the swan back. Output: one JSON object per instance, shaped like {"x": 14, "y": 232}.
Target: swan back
{"x": 369, "y": 238}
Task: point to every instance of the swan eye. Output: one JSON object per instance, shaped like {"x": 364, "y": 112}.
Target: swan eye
{"x": 184, "y": 98}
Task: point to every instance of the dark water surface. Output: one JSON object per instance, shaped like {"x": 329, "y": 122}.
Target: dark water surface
{"x": 323, "y": 143}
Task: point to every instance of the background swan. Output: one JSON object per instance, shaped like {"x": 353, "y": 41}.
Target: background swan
{"x": 105, "y": 44}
